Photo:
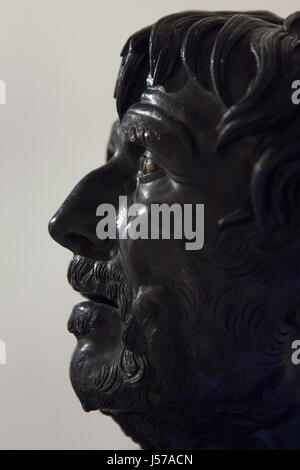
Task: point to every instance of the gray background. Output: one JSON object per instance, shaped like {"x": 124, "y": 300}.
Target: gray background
{"x": 59, "y": 60}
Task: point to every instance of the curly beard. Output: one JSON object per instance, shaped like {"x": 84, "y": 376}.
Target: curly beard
{"x": 189, "y": 345}
{"x": 122, "y": 378}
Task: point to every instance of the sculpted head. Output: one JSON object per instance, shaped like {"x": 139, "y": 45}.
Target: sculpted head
{"x": 191, "y": 348}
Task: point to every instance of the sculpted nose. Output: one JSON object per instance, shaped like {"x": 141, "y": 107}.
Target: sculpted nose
{"x": 68, "y": 234}
{"x": 74, "y": 224}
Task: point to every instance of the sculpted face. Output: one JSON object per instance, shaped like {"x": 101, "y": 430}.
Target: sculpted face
{"x": 167, "y": 331}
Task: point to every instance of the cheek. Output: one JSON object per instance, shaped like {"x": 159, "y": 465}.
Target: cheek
{"x": 135, "y": 260}
{"x": 151, "y": 262}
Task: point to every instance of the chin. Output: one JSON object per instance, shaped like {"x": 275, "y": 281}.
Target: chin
{"x": 89, "y": 373}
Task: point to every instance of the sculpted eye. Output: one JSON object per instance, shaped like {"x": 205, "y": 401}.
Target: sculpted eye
{"x": 147, "y": 165}
{"x": 148, "y": 170}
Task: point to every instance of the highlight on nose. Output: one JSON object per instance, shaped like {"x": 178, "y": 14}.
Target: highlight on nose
{"x": 65, "y": 235}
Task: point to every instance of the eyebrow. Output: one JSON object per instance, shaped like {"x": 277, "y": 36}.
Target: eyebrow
{"x": 152, "y": 127}
{"x": 145, "y": 124}
{"x": 138, "y": 132}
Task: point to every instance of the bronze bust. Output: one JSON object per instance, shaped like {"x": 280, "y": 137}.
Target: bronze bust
{"x": 191, "y": 349}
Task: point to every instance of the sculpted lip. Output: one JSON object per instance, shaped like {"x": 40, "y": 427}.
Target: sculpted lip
{"x": 100, "y": 299}
{"x": 82, "y": 318}
{"x": 86, "y": 317}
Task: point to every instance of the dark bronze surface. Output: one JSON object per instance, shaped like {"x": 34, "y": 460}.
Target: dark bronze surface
{"x": 192, "y": 349}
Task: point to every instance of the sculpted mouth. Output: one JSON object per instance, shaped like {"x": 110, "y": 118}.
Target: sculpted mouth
{"x": 100, "y": 299}
{"x": 99, "y": 283}
{"x": 86, "y": 316}
{"x": 94, "y": 280}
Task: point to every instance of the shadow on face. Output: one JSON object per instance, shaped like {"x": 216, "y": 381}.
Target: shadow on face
{"x": 165, "y": 329}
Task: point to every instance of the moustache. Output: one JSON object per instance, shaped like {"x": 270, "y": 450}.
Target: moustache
{"x": 104, "y": 285}
{"x": 97, "y": 279}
